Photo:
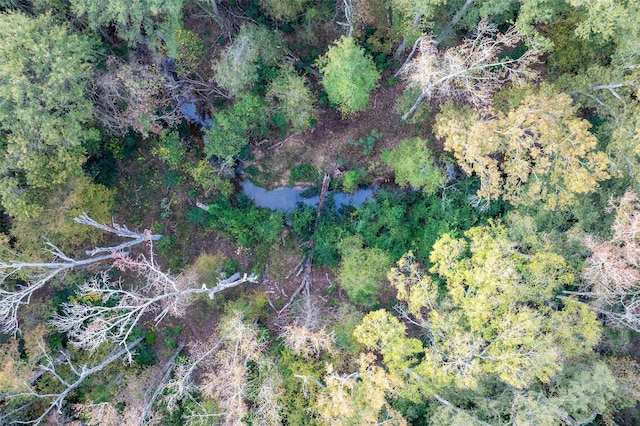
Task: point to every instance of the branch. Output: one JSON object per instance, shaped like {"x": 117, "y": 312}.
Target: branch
{"x": 58, "y": 398}
{"x": 167, "y": 371}
{"x": 40, "y": 273}
{"x": 459, "y": 410}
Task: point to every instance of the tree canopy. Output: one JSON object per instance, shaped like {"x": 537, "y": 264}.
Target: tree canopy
{"x": 155, "y": 20}
{"x": 348, "y": 75}
{"x": 539, "y": 151}
{"x": 44, "y": 110}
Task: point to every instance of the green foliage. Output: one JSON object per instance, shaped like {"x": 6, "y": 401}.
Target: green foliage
{"x": 233, "y": 126}
{"x": 302, "y": 220}
{"x": 155, "y": 20}
{"x": 397, "y": 222}
{"x": 284, "y": 10}
{"x": 612, "y": 21}
{"x": 170, "y": 149}
{"x": 348, "y": 76}
{"x": 191, "y": 50}
{"x": 293, "y": 99}
{"x": 347, "y": 319}
{"x": 55, "y": 220}
{"x": 205, "y": 176}
{"x": 248, "y": 224}
{"x": 44, "y": 112}
{"x": 495, "y": 336}
{"x": 362, "y": 270}
{"x": 571, "y": 53}
{"x": 414, "y": 165}
{"x": 167, "y": 249}
{"x": 366, "y": 143}
{"x": 330, "y": 233}
{"x": 239, "y": 67}
{"x": 350, "y": 180}
{"x": 304, "y": 173}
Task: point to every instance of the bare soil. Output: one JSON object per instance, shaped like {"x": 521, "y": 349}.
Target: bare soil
{"x": 326, "y": 146}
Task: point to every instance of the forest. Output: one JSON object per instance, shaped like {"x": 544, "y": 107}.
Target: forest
{"x": 320, "y": 212}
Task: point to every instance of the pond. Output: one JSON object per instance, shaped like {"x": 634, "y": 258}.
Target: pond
{"x": 287, "y": 199}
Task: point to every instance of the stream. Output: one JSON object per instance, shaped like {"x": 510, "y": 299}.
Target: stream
{"x": 287, "y": 199}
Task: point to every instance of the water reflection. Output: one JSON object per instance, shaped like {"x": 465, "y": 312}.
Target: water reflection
{"x": 287, "y": 199}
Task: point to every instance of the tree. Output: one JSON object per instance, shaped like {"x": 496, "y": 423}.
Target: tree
{"x": 610, "y": 20}
{"x": 348, "y": 75}
{"x": 55, "y": 222}
{"x": 32, "y": 276}
{"x": 253, "y": 47}
{"x": 362, "y": 270}
{"x": 67, "y": 380}
{"x": 136, "y": 96}
{"x": 103, "y": 311}
{"x": 470, "y": 72}
{"x": 293, "y": 99}
{"x": 232, "y": 127}
{"x": 284, "y": 10}
{"x": 44, "y": 112}
{"x": 496, "y": 332}
{"x": 611, "y": 279}
{"x": 538, "y": 152}
{"x": 358, "y": 398}
{"x": 154, "y": 20}
{"x": 414, "y": 165}
{"x": 612, "y": 92}
{"x": 223, "y": 367}
{"x": 109, "y": 312}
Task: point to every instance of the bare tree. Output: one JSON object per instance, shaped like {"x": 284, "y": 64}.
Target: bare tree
{"x": 88, "y": 325}
{"x": 223, "y": 365}
{"x": 38, "y": 274}
{"x": 133, "y": 95}
{"x": 67, "y": 375}
{"x": 471, "y": 71}
{"x": 611, "y": 280}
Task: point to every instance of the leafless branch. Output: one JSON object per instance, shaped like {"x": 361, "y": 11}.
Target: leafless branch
{"x": 38, "y": 274}
{"x": 53, "y": 368}
{"x": 471, "y": 71}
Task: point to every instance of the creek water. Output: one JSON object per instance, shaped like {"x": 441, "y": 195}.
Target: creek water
{"x": 287, "y": 199}
{"x": 188, "y": 109}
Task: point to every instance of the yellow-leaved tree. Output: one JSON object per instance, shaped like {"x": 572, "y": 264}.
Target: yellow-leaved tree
{"x": 492, "y": 334}
{"x": 538, "y": 152}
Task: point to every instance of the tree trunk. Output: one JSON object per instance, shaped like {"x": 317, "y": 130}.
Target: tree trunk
{"x": 454, "y": 21}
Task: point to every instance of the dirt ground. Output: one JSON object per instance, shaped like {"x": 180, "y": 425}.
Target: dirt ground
{"x": 326, "y": 146}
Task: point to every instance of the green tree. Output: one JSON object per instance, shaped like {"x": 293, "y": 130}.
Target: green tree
{"x": 348, "y": 75}
{"x": 44, "y": 111}
{"x": 414, "y": 165}
{"x": 293, "y": 99}
{"x": 284, "y": 10}
{"x": 612, "y": 20}
{"x": 232, "y": 127}
{"x": 538, "y": 152}
{"x": 55, "y": 222}
{"x": 362, "y": 270}
{"x": 157, "y": 20}
{"x": 253, "y": 47}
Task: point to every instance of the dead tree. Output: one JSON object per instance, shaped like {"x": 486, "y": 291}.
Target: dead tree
{"x": 88, "y": 325}
{"x": 38, "y": 274}
{"x": 470, "y": 72}
{"x": 52, "y": 367}
{"x": 223, "y": 367}
{"x": 611, "y": 279}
